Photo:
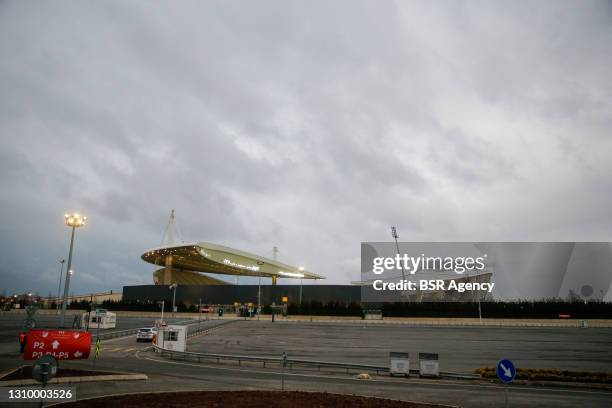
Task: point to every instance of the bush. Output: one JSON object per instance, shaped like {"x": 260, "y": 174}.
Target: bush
{"x": 551, "y": 374}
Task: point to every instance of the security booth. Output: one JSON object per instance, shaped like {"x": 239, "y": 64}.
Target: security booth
{"x": 172, "y": 337}
{"x": 101, "y": 318}
{"x": 429, "y": 365}
{"x": 399, "y": 364}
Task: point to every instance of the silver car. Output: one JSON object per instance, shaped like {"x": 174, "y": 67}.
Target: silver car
{"x": 145, "y": 334}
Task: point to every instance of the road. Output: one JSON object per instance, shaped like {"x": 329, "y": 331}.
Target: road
{"x": 12, "y": 323}
{"x": 125, "y": 354}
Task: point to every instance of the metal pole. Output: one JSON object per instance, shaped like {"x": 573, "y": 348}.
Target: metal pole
{"x": 59, "y": 286}
{"x": 199, "y": 314}
{"x": 161, "y": 328}
{"x": 162, "y": 314}
{"x": 301, "y": 283}
{"x": 67, "y": 282}
{"x": 259, "y": 298}
{"x": 396, "y": 236}
{"x": 97, "y": 335}
{"x": 174, "y": 300}
{"x": 284, "y": 357}
{"x": 89, "y": 313}
{"x": 506, "y": 394}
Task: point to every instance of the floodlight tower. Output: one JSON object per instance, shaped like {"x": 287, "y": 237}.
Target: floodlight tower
{"x": 73, "y": 221}
{"x": 396, "y": 236}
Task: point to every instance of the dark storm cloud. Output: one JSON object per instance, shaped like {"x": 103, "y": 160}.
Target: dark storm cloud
{"x": 310, "y": 126}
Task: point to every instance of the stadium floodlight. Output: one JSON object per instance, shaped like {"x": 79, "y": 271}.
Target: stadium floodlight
{"x": 394, "y": 233}
{"x": 73, "y": 221}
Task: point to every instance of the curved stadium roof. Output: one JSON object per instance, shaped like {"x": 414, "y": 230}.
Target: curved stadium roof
{"x": 218, "y": 259}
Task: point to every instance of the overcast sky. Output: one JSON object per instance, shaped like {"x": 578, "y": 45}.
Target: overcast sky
{"x": 307, "y": 125}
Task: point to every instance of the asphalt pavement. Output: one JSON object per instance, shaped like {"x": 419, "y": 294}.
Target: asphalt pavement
{"x": 460, "y": 348}
{"x": 343, "y": 342}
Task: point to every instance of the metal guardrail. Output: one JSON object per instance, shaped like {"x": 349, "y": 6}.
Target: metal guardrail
{"x": 265, "y": 360}
{"x": 206, "y": 329}
{"x": 129, "y": 332}
{"x": 111, "y": 335}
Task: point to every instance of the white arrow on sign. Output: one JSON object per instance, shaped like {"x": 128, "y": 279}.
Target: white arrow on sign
{"x": 507, "y": 372}
{"x": 78, "y": 354}
{"x": 55, "y": 344}
{"x": 76, "y": 335}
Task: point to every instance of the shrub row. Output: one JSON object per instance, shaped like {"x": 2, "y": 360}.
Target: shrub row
{"x": 551, "y": 374}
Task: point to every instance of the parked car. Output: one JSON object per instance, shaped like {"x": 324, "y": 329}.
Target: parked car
{"x": 146, "y": 334}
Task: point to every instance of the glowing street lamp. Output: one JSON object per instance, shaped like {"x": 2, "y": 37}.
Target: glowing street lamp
{"x": 73, "y": 221}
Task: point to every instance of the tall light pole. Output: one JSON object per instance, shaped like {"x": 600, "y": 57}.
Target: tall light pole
{"x": 259, "y": 297}
{"x": 160, "y": 331}
{"x": 73, "y": 221}
{"x": 173, "y": 286}
{"x": 396, "y": 236}
{"x": 301, "y": 282}
{"x": 59, "y": 285}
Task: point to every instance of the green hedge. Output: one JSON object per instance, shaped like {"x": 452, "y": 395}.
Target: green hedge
{"x": 551, "y": 374}
{"x": 518, "y": 310}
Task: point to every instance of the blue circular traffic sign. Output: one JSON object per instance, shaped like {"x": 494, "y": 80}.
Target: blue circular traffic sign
{"x": 506, "y": 370}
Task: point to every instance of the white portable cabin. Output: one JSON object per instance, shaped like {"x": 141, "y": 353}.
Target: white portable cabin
{"x": 106, "y": 319}
{"x": 172, "y": 338}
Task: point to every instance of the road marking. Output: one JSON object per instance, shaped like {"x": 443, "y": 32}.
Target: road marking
{"x": 399, "y": 382}
{"x": 119, "y": 338}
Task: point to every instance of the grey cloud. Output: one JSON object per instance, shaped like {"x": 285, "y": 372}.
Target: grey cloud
{"x": 311, "y": 126}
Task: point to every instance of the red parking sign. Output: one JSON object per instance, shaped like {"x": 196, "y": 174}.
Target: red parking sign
{"x": 61, "y": 344}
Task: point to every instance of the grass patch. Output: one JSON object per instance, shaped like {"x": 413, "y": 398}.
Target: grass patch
{"x": 551, "y": 374}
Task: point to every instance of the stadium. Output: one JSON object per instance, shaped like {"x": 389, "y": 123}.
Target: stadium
{"x": 193, "y": 264}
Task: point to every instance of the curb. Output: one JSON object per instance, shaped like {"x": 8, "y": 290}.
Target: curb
{"x": 69, "y": 380}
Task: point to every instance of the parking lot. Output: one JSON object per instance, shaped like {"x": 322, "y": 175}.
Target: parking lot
{"x": 461, "y": 349}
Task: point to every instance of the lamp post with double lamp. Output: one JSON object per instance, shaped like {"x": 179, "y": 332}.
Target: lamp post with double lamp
{"x": 59, "y": 285}
{"x": 73, "y": 221}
